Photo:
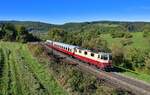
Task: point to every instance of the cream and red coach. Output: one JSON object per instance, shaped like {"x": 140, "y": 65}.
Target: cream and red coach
{"x": 101, "y": 60}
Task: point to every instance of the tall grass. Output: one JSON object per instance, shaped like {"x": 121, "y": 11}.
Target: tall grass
{"x": 4, "y": 81}
{"x": 23, "y": 75}
{"x": 42, "y": 74}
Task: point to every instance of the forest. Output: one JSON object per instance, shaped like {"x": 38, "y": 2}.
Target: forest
{"x": 11, "y": 32}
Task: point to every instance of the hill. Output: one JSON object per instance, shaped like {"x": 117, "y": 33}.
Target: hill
{"x": 32, "y": 26}
{"x": 104, "y": 26}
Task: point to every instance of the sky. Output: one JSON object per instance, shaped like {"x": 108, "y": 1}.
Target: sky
{"x": 64, "y": 11}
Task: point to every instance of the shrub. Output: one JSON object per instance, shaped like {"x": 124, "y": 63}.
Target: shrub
{"x": 125, "y": 42}
{"x": 147, "y": 63}
{"x": 134, "y": 57}
{"x": 121, "y": 35}
{"x": 128, "y": 35}
{"x": 37, "y": 50}
{"x": 118, "y": 54}
{"x": 117, "y": 34}
{"x": 146, "y": 34}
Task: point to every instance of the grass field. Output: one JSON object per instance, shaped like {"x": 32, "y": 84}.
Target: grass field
{"x": 134, "y": 74}
{"x": 138, "y": 40}
{"x": 21, "y": 74}
{"x": 138, "y": 76}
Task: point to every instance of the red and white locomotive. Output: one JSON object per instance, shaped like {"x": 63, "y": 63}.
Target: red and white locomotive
{"x": 101, "y": 60}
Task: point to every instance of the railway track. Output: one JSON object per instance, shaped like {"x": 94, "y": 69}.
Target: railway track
{"x": 135, "y": 86}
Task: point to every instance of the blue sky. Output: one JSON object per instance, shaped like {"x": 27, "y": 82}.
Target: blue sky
{"x": 62, "y": 11}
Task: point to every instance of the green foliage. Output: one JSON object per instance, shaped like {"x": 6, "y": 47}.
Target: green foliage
{"x": 98, "y": 44}
{"x": 56, "y": 34}
{"x": 125, "y": 42}
{"x": 23, "y": 75}
{"x": 121, "y": 35}
{"x": 117, "y": 34}
{"x": 137, "y": 39}
{"x": 117, "y": 53}
{"x": 128, "y": 35}
{"x": 101, "y": 26}
{"x": 147, "y": 63}
{"x": 36, "y": 50}
{"x": 135, "y": 57}
{"x": 9, "y": 32}
{"x": 146, "y": 34}
{"x": 75, "y": 80}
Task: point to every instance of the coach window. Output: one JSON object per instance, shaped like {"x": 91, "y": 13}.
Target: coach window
{"x": 92, "y": 54}
{"x": 110, "y": 57}
{"x": 85, "y": 53}
{"x": 75, "y": 50}
{"x": 79, "y": 51}
{"x": 98, "y": 56}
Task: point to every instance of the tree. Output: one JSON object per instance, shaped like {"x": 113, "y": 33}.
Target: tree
{"x": 75, "y": 79}
{"x": 8, "y": 32}
{"x": 125, "y": 42}
{"x": 117, "y": 34}
{"x": 118, "y": 54}
{"x": 97, "y": 44}
{"x": 147, "y": 63}
{"x": 56, "y": 34}
{"x": 22, "y": 30}
{"x": 128, "y": 35}
{"x": 23, "y": 35}
{"x": 2, "y": 31}
{"x": 135, "y": 57}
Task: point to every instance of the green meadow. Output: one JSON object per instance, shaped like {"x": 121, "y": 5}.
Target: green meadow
{"x": 22, "y": 74}
{"x": 138, "y": 40}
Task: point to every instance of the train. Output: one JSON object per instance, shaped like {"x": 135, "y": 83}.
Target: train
{"x": 101, "y": 60}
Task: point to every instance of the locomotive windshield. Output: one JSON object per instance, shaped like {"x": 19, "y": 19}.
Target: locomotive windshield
{"x": 110, "y": 57}
{"x": 106, "y": 56}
